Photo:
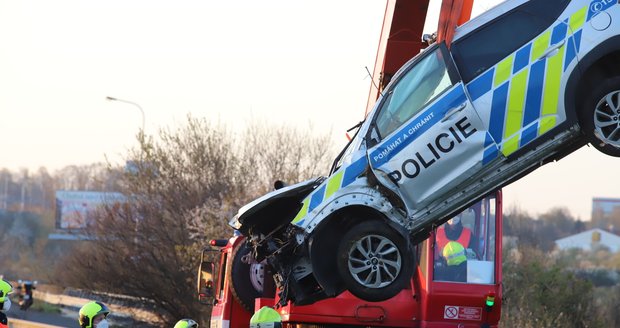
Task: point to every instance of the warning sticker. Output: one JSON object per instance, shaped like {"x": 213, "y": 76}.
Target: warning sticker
{"x": 462, "y": 312}
{"x": 451, "y": 312}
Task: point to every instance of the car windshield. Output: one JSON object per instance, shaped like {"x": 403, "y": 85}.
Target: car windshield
{"x": 418, "y": 86}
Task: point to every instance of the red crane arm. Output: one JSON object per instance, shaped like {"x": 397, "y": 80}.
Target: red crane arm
{"x": 453, "y": 13}
{"x": 401, "y": 36}
{"x": 400, "y": 40}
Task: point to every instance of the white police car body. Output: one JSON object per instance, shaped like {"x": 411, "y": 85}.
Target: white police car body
{"x": 525, "y": 83}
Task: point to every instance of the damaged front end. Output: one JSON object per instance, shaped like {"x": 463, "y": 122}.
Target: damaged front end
{"x": 266, "y": 224}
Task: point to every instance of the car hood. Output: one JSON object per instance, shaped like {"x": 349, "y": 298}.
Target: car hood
{"x": 274, "y": 209}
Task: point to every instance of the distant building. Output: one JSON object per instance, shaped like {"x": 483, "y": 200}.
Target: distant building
{"x": 606, "y": 213}
{"x": 76, "y": 210}
{"x": 605, "y": 206}
{"x": 589, "y": 240}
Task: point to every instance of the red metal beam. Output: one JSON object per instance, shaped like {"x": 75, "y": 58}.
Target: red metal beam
{"x": 400, "y": 40}
{"x": 453, "y": 13}
{"x": 465, "y": 11}
{"x": 401, "y": 36}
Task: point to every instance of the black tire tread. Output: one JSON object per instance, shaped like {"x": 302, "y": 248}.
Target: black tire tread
{"x": 238, "y": 274}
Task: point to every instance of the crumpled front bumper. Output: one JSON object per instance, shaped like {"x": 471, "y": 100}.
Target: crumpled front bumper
{"x": 266, "y": 222}
{"x": 273, "y": 210}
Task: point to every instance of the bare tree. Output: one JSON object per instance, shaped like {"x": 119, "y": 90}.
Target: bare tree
{"x": 182, "y": 189}
{"x": 282, "y": 153}
{"x": 96, "y": 176}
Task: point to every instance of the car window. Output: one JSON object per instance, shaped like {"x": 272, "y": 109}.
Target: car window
{"x": 353, "y": 145}
{"x": 423, "y": 82}
{"x": 486, "y": 46}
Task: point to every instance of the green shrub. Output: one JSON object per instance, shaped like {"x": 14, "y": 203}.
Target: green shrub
{"x": 540, "y": 293}
{"x": 45, "y": 307}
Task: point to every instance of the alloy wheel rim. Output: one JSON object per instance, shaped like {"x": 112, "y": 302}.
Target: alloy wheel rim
{"x": 374, "y": 261}
{"x": 607, "y": 119}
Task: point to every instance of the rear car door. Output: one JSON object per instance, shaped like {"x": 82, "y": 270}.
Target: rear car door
{"x": 425, "y": 136}
{"x": 514, "y": 67}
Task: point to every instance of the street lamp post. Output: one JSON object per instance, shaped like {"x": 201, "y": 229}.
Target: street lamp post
{"x": 131, "y": 103}
{"x": 141, "y": 140}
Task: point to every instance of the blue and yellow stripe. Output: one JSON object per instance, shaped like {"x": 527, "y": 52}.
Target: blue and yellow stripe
{"x": 340, "y": 179}
{"x": 525, "y": 86}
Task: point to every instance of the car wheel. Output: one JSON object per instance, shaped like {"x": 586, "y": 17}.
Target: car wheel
{"x": 246, "y": 279}
{"x": 374, "y": 261}
{"x": 601, "y": 117}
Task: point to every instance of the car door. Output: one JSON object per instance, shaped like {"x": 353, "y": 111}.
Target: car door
{"x": 425, "y": 136}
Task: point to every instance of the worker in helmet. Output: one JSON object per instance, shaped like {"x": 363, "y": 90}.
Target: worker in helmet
{"x": 93, "y": 315}
{"x": 266, "y": 317}
{"x": 186, "y": 323}
{"x": 5, "y": 302}
{"x": 25, "y": 289}
{"x": 454, "y": 245}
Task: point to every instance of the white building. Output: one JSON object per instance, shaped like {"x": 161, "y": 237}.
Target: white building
{"x": 590, "y": 239}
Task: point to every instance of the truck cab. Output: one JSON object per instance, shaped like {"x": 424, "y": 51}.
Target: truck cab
{"x": 458, "y": 286}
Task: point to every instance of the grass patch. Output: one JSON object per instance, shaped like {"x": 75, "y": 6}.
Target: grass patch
{"x": 45, "y": 307}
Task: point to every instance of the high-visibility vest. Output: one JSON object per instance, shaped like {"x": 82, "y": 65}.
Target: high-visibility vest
{"x": 453, "y": 250}
{"x": 442, "y": 239}
{"x": 266, "y": 317}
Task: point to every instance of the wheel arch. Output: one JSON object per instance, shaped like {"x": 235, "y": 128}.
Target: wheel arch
{"x": 330, "y": 232}
{"x": 599, "y": 64}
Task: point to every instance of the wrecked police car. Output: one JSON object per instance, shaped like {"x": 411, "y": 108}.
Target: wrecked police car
{"x": 453, "y": 125}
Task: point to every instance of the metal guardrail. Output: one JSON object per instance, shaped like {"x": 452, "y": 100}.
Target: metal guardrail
{"x": 121, "y": 307}
{"x": 109, "y": 298}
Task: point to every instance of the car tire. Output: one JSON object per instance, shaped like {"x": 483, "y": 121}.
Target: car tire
{"x": 600, "y": 117}
{"x": 374, "y": 261}
{"x": 245, "y": 281}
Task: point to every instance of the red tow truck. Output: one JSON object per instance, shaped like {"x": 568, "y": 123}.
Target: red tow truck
{"x": 434, "y": 298}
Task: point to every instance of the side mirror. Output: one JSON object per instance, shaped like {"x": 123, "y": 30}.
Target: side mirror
{"x": 429, "y": 38}
{"x": 279, "y": 184}
{"x": 205, "y": 280}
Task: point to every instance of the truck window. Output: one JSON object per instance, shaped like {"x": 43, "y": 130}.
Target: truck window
{"x": 221, "y": 277}
{"x": 422, "y": 256}
{"x": 464, "y": 249}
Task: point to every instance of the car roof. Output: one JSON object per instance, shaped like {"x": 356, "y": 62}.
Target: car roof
{"x": 485, "y": 17}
